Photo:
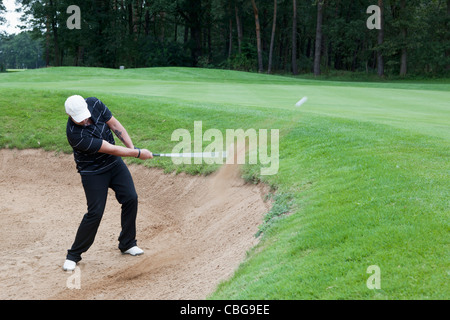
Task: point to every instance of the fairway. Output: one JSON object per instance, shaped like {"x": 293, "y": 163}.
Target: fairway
{"x": 397, "y": 104}
{"x": 363, "y": 175}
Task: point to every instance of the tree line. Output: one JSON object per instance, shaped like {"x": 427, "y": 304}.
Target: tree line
{"x": 283, "y": 36}
{"x": 20, "y": 51}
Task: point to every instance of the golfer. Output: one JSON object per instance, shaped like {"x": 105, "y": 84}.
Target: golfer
{"x": 98, "y": 161}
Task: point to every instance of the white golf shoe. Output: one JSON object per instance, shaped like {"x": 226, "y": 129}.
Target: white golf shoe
{"x": 69, "y": 265}
{"x": 134, "y": 251}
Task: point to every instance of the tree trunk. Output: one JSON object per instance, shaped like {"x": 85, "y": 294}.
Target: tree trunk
{"x": 193, "y": 23}
{"x": 163, "y": 27}
{"x": 258, "y": 37}
{"x": 130, "y": 18}
{"x": 196, "y": 36}
{"x": 447, "y": 52}
{"x": 57, "y": 57}
{"x": 186, "y": 33}
{"x": 54, "y": 30}
{"x": 47, "y": 43}
{"x": 210, "y": 53}
{"x": 404, "y": 60}
{"x": 138, "y": 17}
{"x": 272, "y": 38}
{"x": 147, "y": 22}
{"x": 318, "y": 47}
{"x": 404, "y": 32}
{"x": 175, "y": 29}
{"x": 294, "y": 38}
{"x": 239, "y": 28}
{"x": 380, "y": 60}
{"x": 76, "y": 56}
{"x": 230, "y": 30}
{"x": 230, "y": 43}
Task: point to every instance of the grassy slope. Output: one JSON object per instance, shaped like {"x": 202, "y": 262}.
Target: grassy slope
{"x": 366, "y": 165}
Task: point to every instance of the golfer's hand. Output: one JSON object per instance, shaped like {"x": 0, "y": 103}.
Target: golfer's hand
{"x": 145, "y": 154}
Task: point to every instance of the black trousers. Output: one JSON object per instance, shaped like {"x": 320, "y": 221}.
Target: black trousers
{"x": 96, "y": 189}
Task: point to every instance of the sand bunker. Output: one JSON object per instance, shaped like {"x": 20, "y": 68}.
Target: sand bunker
{"x": 195, "y": 231}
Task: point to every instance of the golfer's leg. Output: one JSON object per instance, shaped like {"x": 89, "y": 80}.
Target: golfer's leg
{"x": 123, "y": 185}
{"x": 96, "y": 190}
{"x": 127, "y": 237}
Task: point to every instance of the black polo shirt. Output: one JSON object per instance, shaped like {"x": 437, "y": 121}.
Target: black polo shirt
{"x": 87, "y": 140}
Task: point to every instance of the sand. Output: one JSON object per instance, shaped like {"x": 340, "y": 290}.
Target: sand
{"x": 195, "y": 232}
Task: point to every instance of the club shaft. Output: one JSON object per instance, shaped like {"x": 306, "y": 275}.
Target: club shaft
{"x": 193, "y": 155}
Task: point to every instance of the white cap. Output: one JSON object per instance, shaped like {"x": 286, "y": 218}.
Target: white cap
{"x": 77, "y": 108}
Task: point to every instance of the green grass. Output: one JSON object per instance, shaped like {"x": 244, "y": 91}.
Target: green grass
{"x": 363, "y": 177}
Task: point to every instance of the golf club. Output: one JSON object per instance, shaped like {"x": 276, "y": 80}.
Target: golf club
{"x": 222, "y": 154}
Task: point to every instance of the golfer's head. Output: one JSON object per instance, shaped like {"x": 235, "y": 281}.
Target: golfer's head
{"x": 77, "y": 109}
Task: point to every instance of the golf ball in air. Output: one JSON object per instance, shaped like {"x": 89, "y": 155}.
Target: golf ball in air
{"x": 302, "y": 101}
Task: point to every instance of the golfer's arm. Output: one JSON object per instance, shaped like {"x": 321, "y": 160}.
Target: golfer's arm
{"x": 120, "y": 132}
{"x": 118, "y": 150}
